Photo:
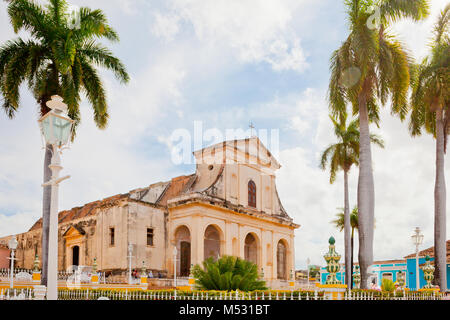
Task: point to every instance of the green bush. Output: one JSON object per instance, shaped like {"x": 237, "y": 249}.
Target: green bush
{"x": 387, "y": 285}
{"x": 228, "y": 274}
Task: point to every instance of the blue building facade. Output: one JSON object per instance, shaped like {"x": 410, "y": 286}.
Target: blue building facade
{"x": 380, "y": 270}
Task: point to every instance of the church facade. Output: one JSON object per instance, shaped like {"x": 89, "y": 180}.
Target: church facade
{"x": 229, "y": 206}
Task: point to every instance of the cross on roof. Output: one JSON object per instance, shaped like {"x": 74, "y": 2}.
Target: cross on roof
{"x": 251, "y": 126}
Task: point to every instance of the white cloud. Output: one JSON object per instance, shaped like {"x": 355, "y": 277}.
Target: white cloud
{"x": 257, "y": 31}
{"x": 165, "y": 26}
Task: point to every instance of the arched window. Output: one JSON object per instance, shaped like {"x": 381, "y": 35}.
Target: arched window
{"x": 251, "y": 194}
{"x": 251, "y": 249}
{"x": 211, "y": 243}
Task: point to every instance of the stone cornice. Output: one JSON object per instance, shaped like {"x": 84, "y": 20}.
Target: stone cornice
{"x": 225, "y": 205}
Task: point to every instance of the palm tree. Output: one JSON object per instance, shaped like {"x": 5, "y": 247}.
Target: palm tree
{"x": 430, "y": 103}
{"x": 339, "y": 223}
{"x": 228, "y": 273}
{"x": 370, "y": 67}
{"x": 60, "y": 57}
{"x": 342, "y": 156}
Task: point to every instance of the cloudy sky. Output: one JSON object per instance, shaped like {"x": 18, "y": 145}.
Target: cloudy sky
{"x": 226, "y": 63}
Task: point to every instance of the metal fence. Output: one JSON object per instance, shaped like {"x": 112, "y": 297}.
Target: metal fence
{"x": 205, "y": 295}
{"x": 17, "y": 294}
{"x": 29, "y": 294}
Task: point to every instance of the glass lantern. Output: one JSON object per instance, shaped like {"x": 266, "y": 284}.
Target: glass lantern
{"x": 56, "y": 126}
{"x": 12, "y": 244}
{"x": 417, "y": 237}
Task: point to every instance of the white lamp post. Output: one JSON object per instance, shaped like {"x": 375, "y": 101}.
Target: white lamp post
{"x": 130, "y": 251}
{"x": 56, "y": 128}
{"x": 12, "y": 245}
{"x": 417, "y": 239}
{"x": 308, "y": 261}
{"x": 175, "y": 253}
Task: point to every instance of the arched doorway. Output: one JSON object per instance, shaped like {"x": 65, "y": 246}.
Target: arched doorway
{"x": 251, "y": 249}
{"x": 183, "y": 243}
{"x": 212, "y": 243}
{"x": 75, "y": 255}
{"x": 281, "y": 260}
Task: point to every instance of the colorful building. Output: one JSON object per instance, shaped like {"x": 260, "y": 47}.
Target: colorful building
{"x": 389, "y": 269}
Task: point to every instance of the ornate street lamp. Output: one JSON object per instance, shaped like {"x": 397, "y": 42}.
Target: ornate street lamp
{"x": 175, "y": 254}
{"x": 417, "y": 239}
{"x": 56, "y": 127}
{"x": 12, "y": 245}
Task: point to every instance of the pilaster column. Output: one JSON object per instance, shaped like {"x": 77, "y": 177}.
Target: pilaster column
{"x": 198, "y": 238}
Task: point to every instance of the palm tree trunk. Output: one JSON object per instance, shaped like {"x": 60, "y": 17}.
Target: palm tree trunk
{"x": 440, "y": 246}
{"x": 46, "y": 197}
{"x": 366, "y": 193}
{"x": 351, "y": 259}
{"x": 348, "y": 273}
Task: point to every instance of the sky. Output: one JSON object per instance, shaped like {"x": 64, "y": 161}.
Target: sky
{"x": 224, "y": 64}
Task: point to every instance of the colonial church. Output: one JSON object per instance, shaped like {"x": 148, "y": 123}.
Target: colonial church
{"x": 229, "y": 206}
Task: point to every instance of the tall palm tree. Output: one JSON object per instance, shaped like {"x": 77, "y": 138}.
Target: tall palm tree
{"x": 370, "y": 67}
{"x": 60, "y": 57}
{"x": 339, "y": 223}
{"x": 342, "y": 156}
{"x": 430, "y": 103}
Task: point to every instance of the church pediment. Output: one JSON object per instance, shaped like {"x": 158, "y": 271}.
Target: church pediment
{"x": 250, "y": 151}
{"x": 74, "y": 231}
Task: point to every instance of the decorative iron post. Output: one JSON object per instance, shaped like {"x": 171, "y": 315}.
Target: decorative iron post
{"x": 94, "y": 276}
{"x": 357, "y": 277}
{"x": 36, "y": 272}
{"x": 428, "y": 273}
{"x": 332, "y": 259}
{"x": 400, "y": 280}
{"x": 333, "y": 288}
{"x": 144, "y": 283}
